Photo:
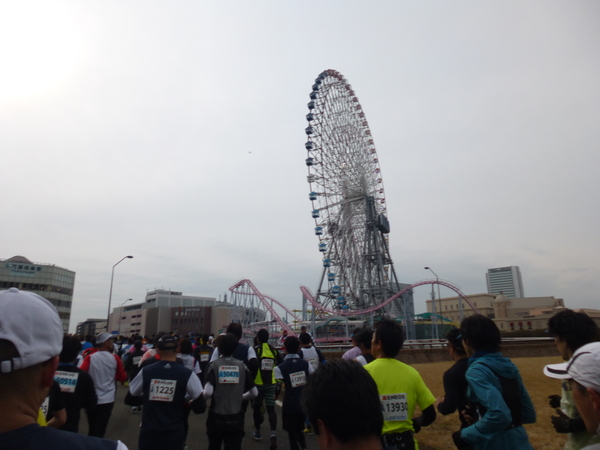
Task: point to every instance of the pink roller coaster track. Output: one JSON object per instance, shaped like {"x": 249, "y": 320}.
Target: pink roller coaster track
{"x": 318, "y": 306}
{"x": 266, "y": 303}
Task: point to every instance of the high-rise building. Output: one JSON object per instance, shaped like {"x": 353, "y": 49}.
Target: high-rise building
{"x": 53, "y": 283}
{"x": 505, "y": 280}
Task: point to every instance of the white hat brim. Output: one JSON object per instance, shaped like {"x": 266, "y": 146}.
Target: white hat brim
{"x": 557, "y": 371}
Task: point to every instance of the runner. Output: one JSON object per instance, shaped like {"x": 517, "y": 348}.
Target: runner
{"x": 455, "y": 381}
{"x": 363, "y": 341}
{"x": 400, "y": 388}
{"x": 153, "y": 351}
{"x": 53, "y": 408}
{"x": 76, "y": 385}
{"x": 185, "y": 354}
{"x": 282, "y": 338}
{"x": 202, "y": 353}
{"x": 242, "y": 352}
{"x": 229, "y": 383}
{"x": 570, "y": 330}
{"x": 31, "y": 335}
{"x": 303, "y": 330}
{"x": 164, "y": 386}
{"x": 189, "y": 362}
{"x": 340, "y": 420}
{"x": 584, "y": 373}
{"x": 104, "y": 367}
{"x": 354, "y": 352}
{"x": 309, "y": 352}
{"x": 294, "y": 372}
{"x": 496, "y": 385}
{"x": 268, "y": 357}
{"x": 132, "y": 365}
{"x": 124, "y": 353}
{"x": 87, "y": 343}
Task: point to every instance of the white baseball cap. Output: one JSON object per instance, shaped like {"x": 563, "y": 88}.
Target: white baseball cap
{"x": 584, "y": 366}
{"x": 558, "y": 371}
{"x": 31, "y": 323}
{"x": 103, "y": 337}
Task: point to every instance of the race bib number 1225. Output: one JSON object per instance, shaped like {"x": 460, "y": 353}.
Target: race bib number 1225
{"x": 162, "y": 390}
{"x": 298, "y": 379}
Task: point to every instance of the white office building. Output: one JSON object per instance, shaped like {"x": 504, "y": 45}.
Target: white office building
{"x": 505, "y": 280}
{"x": 50, "y": 281}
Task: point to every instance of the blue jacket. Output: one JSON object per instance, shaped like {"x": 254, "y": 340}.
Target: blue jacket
{"x": 492, "y": 431}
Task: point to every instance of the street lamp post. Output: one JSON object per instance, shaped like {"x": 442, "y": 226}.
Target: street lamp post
{"x": 436, "y": 335}
{"x": 110, "y": 293}
{"x": 121, "y": 314}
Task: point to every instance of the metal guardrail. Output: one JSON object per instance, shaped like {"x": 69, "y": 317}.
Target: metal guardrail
{"x": 430, "y": 343}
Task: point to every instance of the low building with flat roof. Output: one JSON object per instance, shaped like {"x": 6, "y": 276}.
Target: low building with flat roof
{"x": 50, "y": 281}
{"x": 91, "y": 327}
{"x": 163, "y": 310}
{"x": 510, "y": 314}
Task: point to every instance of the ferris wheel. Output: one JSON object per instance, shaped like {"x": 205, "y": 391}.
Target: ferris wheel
{"x": 348, "y": 201}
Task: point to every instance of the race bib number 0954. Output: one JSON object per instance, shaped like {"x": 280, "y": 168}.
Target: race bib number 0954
{"x": 394, "y": 407}
{"x": 162, "y": 390}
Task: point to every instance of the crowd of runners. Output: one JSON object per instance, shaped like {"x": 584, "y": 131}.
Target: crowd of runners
{"x": 367, "y": 400}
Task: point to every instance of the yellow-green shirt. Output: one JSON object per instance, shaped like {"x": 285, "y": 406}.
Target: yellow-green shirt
{"x": 41, "y": 419}
{"x": 400, "y": 388}
{"x": 267, "y": 360}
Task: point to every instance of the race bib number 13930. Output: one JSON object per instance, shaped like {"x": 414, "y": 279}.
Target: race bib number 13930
{"x": 394, "y": 407}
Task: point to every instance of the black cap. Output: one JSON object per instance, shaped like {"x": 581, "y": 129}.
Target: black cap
{"x": 167, "y": 342}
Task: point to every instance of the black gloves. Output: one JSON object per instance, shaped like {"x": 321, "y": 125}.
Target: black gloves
{"x": 554, "y": 401}
{"x": 459, "y": 441}
{"x": 563, "y": 424}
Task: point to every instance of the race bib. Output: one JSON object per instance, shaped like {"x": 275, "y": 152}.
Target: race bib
{"x": 314, "y": 362}
{"x": 136, "y": 360}
{"x": 229, "y": 374}
{"x": 45, "y": 406}
{"x": 204, "y": 357}
{"x": 298, "y": 379}
{"x": 162, "y": 390}
{"x": 394, "y": 407}
{"x": 67, "y": 380}
{"x": 266, "y": 364}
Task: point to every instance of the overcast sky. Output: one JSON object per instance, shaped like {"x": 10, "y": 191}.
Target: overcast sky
{"x": 174, "y": 132}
